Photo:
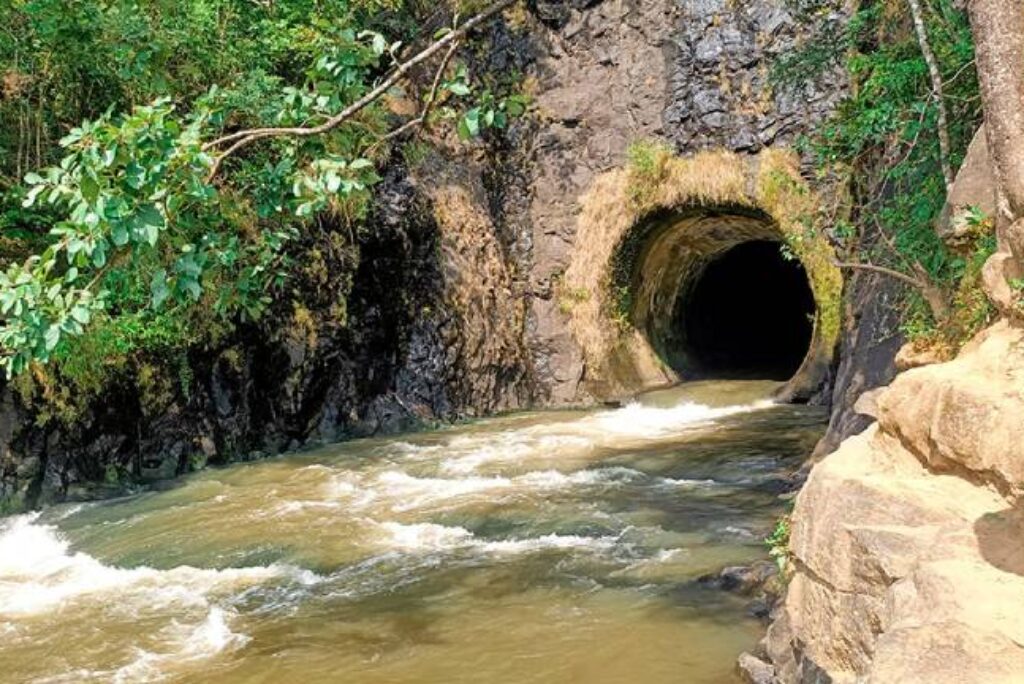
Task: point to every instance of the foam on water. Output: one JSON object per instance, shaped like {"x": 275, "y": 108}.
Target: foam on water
{"x": 485, "y": 496}
{"x": 634, "y": 424}
{"x": 430, "y": 537}
{"x": 39, "y": 573}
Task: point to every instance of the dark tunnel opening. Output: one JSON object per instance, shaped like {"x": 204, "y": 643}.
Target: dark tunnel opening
{"x": 749, "y": 314}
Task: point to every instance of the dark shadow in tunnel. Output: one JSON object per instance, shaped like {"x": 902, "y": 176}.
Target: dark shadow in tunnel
{"x": 748, "y": 315}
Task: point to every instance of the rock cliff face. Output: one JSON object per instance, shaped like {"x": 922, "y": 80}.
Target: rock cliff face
{"x": 906, "y": 541}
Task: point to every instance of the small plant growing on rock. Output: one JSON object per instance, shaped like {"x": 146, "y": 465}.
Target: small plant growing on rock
{"x": 778, "y": 543}
{"x": 648, "y": 166}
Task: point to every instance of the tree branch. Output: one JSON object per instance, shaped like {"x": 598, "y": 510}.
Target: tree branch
{"x": 936, "y": 78}
{"x": 892, "y": 273}
{"x": 244, "y": 138}
{"x": 931, "y": 292}
{"x": 428, "y": 104}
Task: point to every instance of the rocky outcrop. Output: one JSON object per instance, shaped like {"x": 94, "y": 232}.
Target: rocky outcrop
{"x": 906, "y": 541}
{"x": 419, "y": 324}
{"x": 868, "y": 345}
{"x": 600, "y": 84}
{"x": 721, "y": 93}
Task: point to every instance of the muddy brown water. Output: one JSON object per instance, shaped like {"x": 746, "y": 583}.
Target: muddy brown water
{"x": 548, "y": 547}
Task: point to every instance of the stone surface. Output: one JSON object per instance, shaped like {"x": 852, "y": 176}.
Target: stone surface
{"x": 689, "y": 72}
{"x": 966, "y": 414}
{"x": 600, "y": 83}
{"x": 912, "y": 356}
{"x": 974, "y": 188}
{"x": 445, "y": 319}
{"x": 906, "y": 541}
{"x": 868, "y": 345}
{"x": 753, "y": 670}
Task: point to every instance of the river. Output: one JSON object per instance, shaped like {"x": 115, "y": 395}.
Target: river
{"x": 547, "y": 547}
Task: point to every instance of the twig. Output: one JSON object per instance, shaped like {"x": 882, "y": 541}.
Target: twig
{"x": 428, "y": 104}
{"x": 882, "y": 270}
{"x": 933, "y": 294}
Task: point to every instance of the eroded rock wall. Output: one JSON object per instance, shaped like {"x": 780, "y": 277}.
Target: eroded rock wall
{"x": 448, "y": 315}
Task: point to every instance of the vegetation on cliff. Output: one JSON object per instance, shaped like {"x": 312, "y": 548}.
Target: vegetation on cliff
{"x": 911, "y": 115}
{"x": 168, "y": 176}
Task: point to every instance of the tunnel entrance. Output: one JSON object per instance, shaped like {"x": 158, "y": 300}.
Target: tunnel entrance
{"x": 748, "y": 314}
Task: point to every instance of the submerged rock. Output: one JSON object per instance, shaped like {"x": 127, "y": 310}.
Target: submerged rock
{"x": 742, "y": 579}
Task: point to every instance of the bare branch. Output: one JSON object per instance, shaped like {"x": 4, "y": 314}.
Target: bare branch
{"x": 892, "y": 273}
{"x": 932, "y": 293}
{"x": 936, "y": 78}
{"x": 428, "y": 104}
{"x": 241, "y": 139}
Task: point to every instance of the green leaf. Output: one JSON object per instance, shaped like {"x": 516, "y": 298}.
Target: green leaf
{"x": 149, "y": 220}
{"x": 99, "y": 255}
{"x": 191, "y": 286}
{"x": 90, "y": 188}
{"x": 81, "y": 314}
{"x": 119, "y": 233}
{"x": 472, "y": 121}
{"x": 34, "y": 178}
{"x": 515, "y": 106}
{"x": 51, "y": 337}
{"x": 158, "y": 288}
{"x": 32, "y": 195}
{"x": 460, "y": 89}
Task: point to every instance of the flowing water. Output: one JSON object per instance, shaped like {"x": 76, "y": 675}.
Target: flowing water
{"x": 544, "y": 547}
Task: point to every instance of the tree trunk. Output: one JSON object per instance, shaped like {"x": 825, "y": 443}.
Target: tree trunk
{"x": 998, "y": 28}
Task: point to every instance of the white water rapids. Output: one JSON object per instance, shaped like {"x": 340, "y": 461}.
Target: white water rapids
{"x": 504, "y": 551}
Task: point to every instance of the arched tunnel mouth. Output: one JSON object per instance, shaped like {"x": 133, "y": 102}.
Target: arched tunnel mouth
{"x": 717, "y": 295}
{"x": 748, "y": 313}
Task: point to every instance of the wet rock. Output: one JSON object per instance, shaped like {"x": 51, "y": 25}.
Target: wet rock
{"x": 162, "y": 465}
{"x": 742, "y": 579}
{"x": 753, "y": 670}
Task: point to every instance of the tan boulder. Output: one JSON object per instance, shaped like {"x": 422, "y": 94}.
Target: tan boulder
{"x": 968, "y": 414}
{"x": 974, "y": 188}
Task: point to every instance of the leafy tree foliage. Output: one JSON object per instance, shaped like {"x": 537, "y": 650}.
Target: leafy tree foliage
{"x": 136, "y": 221}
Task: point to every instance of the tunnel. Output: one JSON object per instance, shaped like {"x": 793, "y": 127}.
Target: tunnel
{"x": 717, "y": 266}
{"x": 715, "y": 295}
{"x": 747, "y": 314}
